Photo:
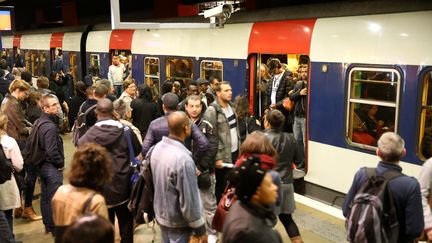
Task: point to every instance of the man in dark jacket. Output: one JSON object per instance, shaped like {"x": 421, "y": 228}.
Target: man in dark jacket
{"x": 280, "y": 85}
{"x": 405, "y": 190}
{"x": 159, "y": 128}
{"x": 51, "y": 167}
{"x": 144, "y": 110}
{"x": 205, "y": 166}
{"x": 109, "y": 133}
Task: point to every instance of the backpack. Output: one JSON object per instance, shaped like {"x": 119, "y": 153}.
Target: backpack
{"x": 80, "y": 127}
{"x": 373, "y": 214}
{"x": 141, "y": 201}
{"x": 5, "y": 167}
{"x": 33, "y": 153}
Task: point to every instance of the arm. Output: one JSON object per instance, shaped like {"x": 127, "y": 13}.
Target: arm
{"x": 414, "y": 223}
{"x": 52, "y": 149}
{"x": 425, "y": 180}
{"x": 15, "y": 155}
{"x": 110, "y": 76}
{"x": 207, "y": 162}
{"x": 148, "y": 140}
{"x": 210, "y": 116}
{"x": 358, "y": 178}
{"x": 99, "y": 207}
{"x": 17, "y": 117}
{"x": 200, "y": 141}
{"x": 295, "y": 95}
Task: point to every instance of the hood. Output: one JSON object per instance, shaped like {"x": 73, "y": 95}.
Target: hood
{"x": 105, "y": 135}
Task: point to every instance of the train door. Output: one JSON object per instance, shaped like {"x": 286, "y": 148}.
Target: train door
{"x": 56, "y": 56}
{"x": 73, "y": 65}
{"x": 180, "y": 70}
{"x": 125, "y": 58}
{"x": 152, "y": 75}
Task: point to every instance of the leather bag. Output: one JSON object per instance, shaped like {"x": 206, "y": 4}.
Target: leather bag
{"x": 228, "y": 199}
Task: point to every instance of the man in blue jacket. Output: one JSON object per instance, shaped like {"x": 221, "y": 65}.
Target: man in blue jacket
{"x": 404, "y": 189}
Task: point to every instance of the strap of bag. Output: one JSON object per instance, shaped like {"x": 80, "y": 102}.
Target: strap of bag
{"x": 388, "y": 175}
{"x": 127, "y": 133}
{"x": 87, "y": 204}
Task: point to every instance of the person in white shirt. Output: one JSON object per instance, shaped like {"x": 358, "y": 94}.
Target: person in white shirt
{"x": 116, "y": 74}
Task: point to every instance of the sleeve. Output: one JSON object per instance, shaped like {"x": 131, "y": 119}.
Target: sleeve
{"x": 425, "y": 180}
{"x": 208, "y": 160}
{"x": 414, "y": 224}
{"x": 110, "y": 77}
{"x": 148, "y": 140}
{"x": 351, "y": 193}
{"x": 15, "y": 156}
{"x": 295, "y": 95}
{"x": 268, "y": 94}
{"x": 189, "y": 197}
{"x": 52, "y": 149}
{"x": 99, "y": 206}
{"x": 200, "y": 140}
{"x": 253, "y": 124}
{"x": 17, "y": 117}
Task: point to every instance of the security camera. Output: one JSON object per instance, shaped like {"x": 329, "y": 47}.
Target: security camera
{"x": 218, "y": 15}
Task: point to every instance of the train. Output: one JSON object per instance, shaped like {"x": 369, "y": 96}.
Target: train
{"x": 375, "y": 66}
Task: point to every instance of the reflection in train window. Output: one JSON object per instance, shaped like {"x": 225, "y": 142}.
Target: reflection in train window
{"x": 42, "y": 64}
{"x": 179, "y": 69}
{"x": 34, "y": 59}
{"x": 425, "y": 134}
{"x": 373, "y": 105}
{"x": 152, "y": 75}
{"x": 27, "y": 57}
{"x": 95, "y": 60}
{"x": 211, "y": 68}
{"x": 73, "y": 64}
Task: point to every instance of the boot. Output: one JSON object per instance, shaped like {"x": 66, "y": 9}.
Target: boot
{"x": 30, "y": 214}
{"x": 18, "y": 212}
{"x": 296, "y": 239}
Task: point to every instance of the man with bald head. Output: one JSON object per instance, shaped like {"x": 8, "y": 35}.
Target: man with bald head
{"x": 177, "y": 203}
{"x": 110, "y": 134}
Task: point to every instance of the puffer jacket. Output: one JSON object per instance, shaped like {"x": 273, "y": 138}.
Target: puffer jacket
{"x": 285, "y": 145}
{"x": 109, "y": 134}
{"x": 16, "y": 126}
{"x": 285, "y": 86}
{"x": 216, "y": 117}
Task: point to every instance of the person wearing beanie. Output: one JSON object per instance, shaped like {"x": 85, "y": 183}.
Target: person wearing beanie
{"x": 251, "y": 218}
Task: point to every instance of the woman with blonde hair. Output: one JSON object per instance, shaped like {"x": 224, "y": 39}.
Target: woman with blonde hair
{"x": 9, "y": 193}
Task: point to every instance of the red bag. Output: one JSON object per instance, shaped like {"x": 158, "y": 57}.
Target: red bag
{"x": 363, "y": 138}
{"x": 224, "y": 205}
{"x": 288, "y": 104}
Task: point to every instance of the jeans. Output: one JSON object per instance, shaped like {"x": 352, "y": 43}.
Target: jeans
{"x": 118, "y": 89}
{"x": 51, "y": 180}
{"x": 208, "y": 199}
{"x": 125, "y": 221}
{"x": 174, "y": 235}
{"x": 30, "y": 183}
{"x": 5, "y": 231}
{"x": 299, "y": 130}
{"x": 221, "y": 177}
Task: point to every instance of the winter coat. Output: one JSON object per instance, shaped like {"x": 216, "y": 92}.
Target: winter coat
{"x": 16, "y": 126}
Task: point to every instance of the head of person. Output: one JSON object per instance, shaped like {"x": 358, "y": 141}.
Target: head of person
{"x": 224, "y": 92}
{"x": 176, "y": 87}
{"x": 90, "y": 228}
{"x": 122, "y": 110}
{"x": 274, "y": 119}
{"x": 257, "y": 143}
{"x": 264, "y": 71}
{"x": 80, "y": 88}
{"x": 179, "y": 125}
{"x": 91, "y": 167}
{"x": 58, "y": 52}
{"x": 34, "y": 98}
{"x": 19, "y": 89}
{"x": 42, "y": 82}
{"x": 241, "y": 105}
{"x": 90, "y": 92}
{"x": 144, "y": 92}
{"x": 214, "y": 82}
{"x": 93, "y": 70}
{"x": 107, "y": 84}
{"x": 3, "y": 64}
{"x": 275, "y": 66}
{"x": 26, "y": 76}
{"x": 193, "y": 106}
{"x": 373, "y": 109}
{"x": 202, "y": 84}
{"x": 253, "y": 183}
{"x": 129, "y": 86}
{"x": 391, "y": 147}
{"x": 50, "y": 104}
{"x": 192, "y": 88}
{"x": 167, "y": 86}
{"x": 3, "y": 122}
{"x": 100, "y": 92}
{"x": 115, "y": 60}
{"x": 104, "y": 109}
{"x": 170, "y": 102}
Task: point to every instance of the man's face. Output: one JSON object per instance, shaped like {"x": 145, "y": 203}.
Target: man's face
{"x": 267, "y": 191}
{"x": 194, "y": 108}
{"x": 303, "y": 72}
{"x": 226, "y": 93}
{"x": 131, "y": 89}
{"x": 115, "y": 60}
{"x": 216, "y": 82}
{"x": 192, "y": 90}
{"x": 203, "y": 87}
{"x": 52, "y": 107}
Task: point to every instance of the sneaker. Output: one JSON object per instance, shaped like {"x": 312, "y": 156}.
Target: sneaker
{"x": 30, "y": 214}
{"x": 212, "y": 238}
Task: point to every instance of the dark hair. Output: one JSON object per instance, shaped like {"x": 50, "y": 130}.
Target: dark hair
{"x": 93, "y": 70}
{"x": 213, "y": 78}
{"x": 90, "y": 91}
{"x": 18, "y": 61}
{"x": 192, "y": 83}
{"x": 273, "y": 63}
{"x": 219, "y": 87}
{"x": 275, "y": 118}
{"x": 3, "y": 64}
{"x": 90, "y": 228}
{"x": 128, "y": 82}
{"x": 42, "y": 82}
{"x": 257, "y": 143}
{"x": 80, "y": 88}
{"x": 145, "y": 93}
{"x": 167, "y": 86}
{"x": 241, "y": 105}
{"x": 100, "y": 91}
{"x": 34, "y": 97}
{"x": 91, "y": 167}
{"x": 26, "y": 76}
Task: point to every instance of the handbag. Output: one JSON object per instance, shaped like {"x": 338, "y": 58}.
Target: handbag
{"x": 134, "y": 162}
{"x": 288, "y": 104}
{"x": 227, "y": 200}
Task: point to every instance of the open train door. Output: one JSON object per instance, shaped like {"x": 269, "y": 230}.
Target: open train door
{"x": 289, "y": 41}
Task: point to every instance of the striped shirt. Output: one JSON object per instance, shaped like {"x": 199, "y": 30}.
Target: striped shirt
{"x": 232, "y": 121}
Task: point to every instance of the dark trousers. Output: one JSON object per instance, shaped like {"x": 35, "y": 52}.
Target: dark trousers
{"x": 9, "y": 217}
{"x": 6, "y": 235}
{"x": 221, "y": 177}
{"x": 125, "y": 221}
{"x": 30, "y": 183}
{"x": 51, "y": 180}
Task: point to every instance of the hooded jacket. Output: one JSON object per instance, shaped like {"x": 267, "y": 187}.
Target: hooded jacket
{"x": 109, "y": 134}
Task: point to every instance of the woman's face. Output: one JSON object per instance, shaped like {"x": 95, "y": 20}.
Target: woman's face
{"x": 266, "y": 193}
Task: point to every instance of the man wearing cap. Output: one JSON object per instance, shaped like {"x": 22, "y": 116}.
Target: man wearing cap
{"x": 202, "y": 88}
{"x": 159, "y": 128}
{"x": 251, "y": 219}
{"x": 109, "y": 133}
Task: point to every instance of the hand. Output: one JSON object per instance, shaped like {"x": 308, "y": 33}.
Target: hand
{"x": 273, "y": 106}
{"x": 219, "y": 164}
{"x": 197, "y": 172}
{"x": 303, "y": 91}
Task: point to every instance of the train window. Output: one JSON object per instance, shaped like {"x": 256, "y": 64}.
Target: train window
{"x": 425, "y": 134}
{"x": 95, "y": 60}
{"x": 373, "y": 105}
{"x": 42, "y": 64}
{"x": 179, "y": 69}
{"x": 211, "y": 68}
{"x": 27, "y": 57}
{"x": 152, "y": 75}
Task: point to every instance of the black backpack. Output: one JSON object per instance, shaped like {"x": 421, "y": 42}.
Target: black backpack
{"x": 80, "y": 125}
{"x": 141, "y": 201}
{"x": 5, "y": 167}
{"x": 33, "y": 153}
{"x": 373, "y": 208}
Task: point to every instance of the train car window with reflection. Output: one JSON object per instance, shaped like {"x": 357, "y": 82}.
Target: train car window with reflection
{"x": 211, "y": 68}
{"x": 95, "y": 60}
{"x": 373, "y": 105}
{"x": 152, "y": 75}
{"x": 425, "y": 133}
{"x": 179, "y": 69}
